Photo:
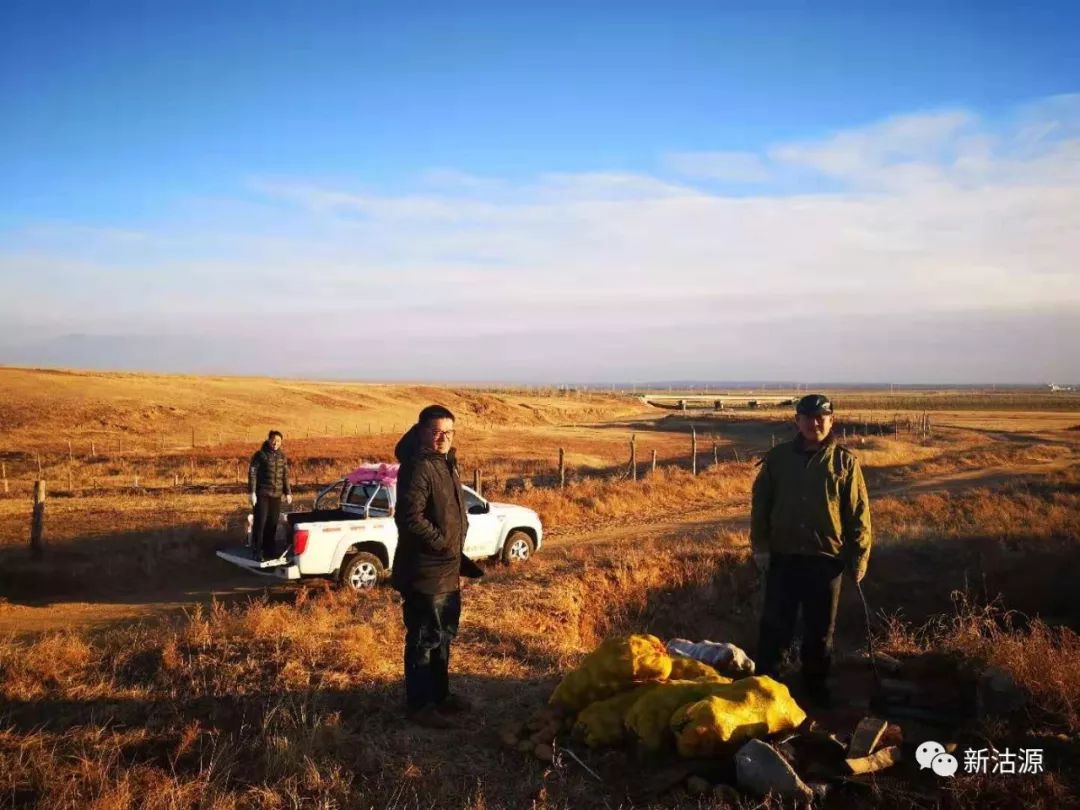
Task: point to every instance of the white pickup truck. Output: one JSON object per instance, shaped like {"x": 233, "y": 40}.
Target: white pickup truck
{"x": 350, "y": 533}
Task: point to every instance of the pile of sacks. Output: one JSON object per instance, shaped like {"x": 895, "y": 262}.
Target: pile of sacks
{"x": 700, "y": 699}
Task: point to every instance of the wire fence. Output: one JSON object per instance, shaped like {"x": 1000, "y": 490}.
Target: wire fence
{"x": 87, "y": 466}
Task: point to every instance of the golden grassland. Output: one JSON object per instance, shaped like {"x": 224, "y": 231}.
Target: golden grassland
{"x": 959, "y": 400}
{"x": 45, "y": 409}
{"x": 293, "y": 698}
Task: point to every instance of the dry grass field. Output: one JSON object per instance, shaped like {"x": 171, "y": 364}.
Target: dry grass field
{"x": 137, "y": 670}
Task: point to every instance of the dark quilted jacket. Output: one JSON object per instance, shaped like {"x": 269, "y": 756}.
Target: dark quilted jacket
{"x": 431, "y": 520}
{"x": 269, "y": 472}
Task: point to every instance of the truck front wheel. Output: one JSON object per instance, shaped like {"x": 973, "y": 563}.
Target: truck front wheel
{"x": 517, "y": 548}
{"x": 362, "y": 571}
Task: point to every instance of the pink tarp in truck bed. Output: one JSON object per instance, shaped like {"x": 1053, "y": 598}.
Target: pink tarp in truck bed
{"x": 374, "y": 474}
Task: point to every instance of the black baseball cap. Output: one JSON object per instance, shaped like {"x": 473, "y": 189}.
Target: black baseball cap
{"x": 814, "y": 405}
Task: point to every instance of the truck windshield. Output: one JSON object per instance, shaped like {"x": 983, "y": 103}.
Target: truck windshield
{"x": 373, "y": 495}
{"x": 330, "y": 498}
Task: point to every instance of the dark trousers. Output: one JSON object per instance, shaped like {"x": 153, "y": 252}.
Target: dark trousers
{"x": 431, "y": 622}
{"x": 795, "y": 580}
{"x": 264, "y": 527}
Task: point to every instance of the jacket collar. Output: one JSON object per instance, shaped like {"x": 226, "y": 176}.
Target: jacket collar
{"x": 800, "y": 443}
{"x": 450, "y": 457}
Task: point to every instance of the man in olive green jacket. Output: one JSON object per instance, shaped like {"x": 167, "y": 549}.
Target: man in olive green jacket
{"x": 809, "y": 521}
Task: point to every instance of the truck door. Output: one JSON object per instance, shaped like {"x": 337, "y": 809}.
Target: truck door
{"x": 484, "y": 527}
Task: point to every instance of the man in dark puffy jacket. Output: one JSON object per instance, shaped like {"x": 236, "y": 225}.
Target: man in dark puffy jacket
{"x": 809, "y": 521}
{"x": 432, "y": 523}
{"x": 268, "y": 481}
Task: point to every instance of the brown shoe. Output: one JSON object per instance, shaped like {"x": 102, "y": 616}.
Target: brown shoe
{"x": 429, "y": 717}
{"x": 454, "y": 704}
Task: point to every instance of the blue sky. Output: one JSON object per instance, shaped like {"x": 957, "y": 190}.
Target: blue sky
{"x": 604, "y": 182}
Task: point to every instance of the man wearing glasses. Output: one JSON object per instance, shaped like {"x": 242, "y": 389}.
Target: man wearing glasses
{"x": 809, "y": 520}
{"x": 432, "y": 522}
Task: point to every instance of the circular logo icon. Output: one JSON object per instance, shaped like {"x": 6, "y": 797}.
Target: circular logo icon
{"x": 926, "y": 752}
{"x": 944, "y": 765}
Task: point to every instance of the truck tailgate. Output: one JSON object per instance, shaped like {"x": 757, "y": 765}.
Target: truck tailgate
{"x": 279, "y": 568}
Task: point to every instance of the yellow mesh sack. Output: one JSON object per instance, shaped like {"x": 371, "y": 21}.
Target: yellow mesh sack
{"x": 750, "y": 707}
{"x": 617, "y": 665}
{"x": 687, "y": 669}
{"x": 650, "y": 716}
{"x": 603, "y": 722}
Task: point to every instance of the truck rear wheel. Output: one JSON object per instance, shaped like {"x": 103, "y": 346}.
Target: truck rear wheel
{"x": 361, "y": 571}
{"x": 517, "y": 548}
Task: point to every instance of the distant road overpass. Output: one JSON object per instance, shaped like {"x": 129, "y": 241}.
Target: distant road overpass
{"x": 717, "y": 401}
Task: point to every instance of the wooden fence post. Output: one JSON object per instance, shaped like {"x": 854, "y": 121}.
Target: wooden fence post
{"x": 693, "y": 450}
{"x": 3, "y": 472}
{"x": 562, "y": 468}
{"x": 654, "y": 462}
{"x": 71, "y": 457}
{"x": 633, "y": 457}
{"x": 37, "y": 521}
{"x": 193, "y": 436}
{"x": 476, "y": 482}
{"x": 715, "y": 454}
{"x": 93, "y": 449}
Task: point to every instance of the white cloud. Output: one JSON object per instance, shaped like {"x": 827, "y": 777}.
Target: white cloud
{"x": 937, "y": 216}
{"x": 454, "y": 180}
{"x": 735, "y": 167}
{"x": 907, "y": 149}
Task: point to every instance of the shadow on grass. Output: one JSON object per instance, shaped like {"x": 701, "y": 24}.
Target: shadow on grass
{"x": 1029, "y": 573}
{"x": 356, "y": 738}
{"x": 177, "y": 564}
